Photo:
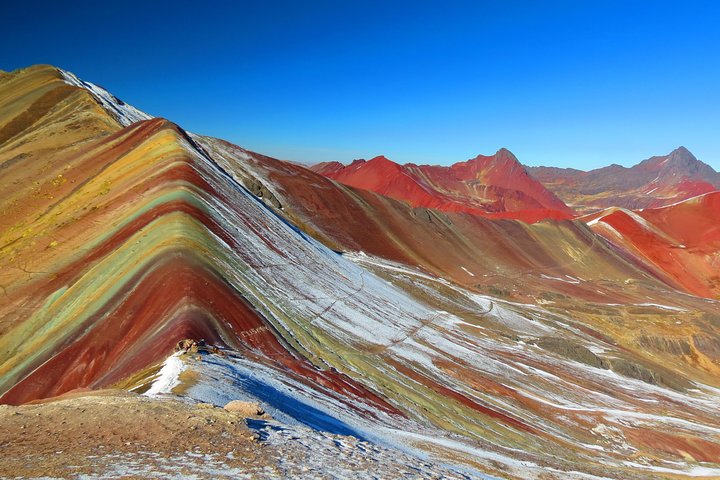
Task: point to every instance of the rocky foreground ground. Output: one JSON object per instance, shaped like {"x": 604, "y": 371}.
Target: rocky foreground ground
{"x": 115, "y": 434}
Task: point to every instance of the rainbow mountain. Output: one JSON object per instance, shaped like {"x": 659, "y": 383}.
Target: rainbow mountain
{"x": 565, "y": 348}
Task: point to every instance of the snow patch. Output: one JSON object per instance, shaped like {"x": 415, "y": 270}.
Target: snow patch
{"x": 168, "y": 376}
{"x": 569, "y": 279}
{"x": 468, "y": 271}
{"x": 124, "y": 113}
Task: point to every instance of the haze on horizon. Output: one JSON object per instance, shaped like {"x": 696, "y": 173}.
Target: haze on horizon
{"x": 568, "y": 85}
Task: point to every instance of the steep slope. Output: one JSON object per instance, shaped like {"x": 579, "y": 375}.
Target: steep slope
{"x": 680, "y": 241}
{"x": 120, "y": 243}
{"x": 118, "y": 260}
{"x": 654, "y": 182}
{"x": 494, "y": 186}
{"x": 493, "y": 255}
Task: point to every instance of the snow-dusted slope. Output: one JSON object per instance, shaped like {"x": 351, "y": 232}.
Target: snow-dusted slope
{"x": 121, "y": 111}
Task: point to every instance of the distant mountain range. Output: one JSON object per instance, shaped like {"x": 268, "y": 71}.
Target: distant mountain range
{"x": 644, "y": 210}
{"x": 498, "y": 186}
{"x": 654, "y": 182}
{"x": 495, "y": 186}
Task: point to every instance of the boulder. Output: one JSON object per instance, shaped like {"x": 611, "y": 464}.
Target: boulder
{"x": 189, "y": 345}
{"x": 246, "y": 409}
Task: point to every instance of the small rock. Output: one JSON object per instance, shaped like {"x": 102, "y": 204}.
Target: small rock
{"x": 188, "y": 346}
{"x": 246, "y": 409}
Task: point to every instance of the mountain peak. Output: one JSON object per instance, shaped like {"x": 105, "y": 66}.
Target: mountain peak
{"x": 380, "y": 158}
{"x": 383, "y": 163}
{"x": 503, "y": 160}
{"x": 681, "y": 150}
{"x": 501, "y": 157}
{"x": 504, "y": 152}
{"x": 379, "y": 163}
{"x": 679, "y": 160}
{"x": 682, "y": 155}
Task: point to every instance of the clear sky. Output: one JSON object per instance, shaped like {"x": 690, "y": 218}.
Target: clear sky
{"x": 566, "y": 83}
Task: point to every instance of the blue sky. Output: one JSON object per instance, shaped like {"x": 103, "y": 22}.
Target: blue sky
{"x": 564, "y": 83}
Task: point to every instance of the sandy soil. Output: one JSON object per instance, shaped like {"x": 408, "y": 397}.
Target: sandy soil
{"x": 116, "y": 434}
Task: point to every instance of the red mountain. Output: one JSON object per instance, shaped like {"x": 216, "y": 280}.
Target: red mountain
{"x": 655, "y": 182}
{"x": 493, "y": 186}
{"x": 678, "y": 242}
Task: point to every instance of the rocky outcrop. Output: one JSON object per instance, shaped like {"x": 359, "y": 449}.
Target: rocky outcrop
{"x": 663, "y": 344}
{"x": 245, "y": 409}
{"x": 571, "y": 350}
{"x": 654, "y": 376}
